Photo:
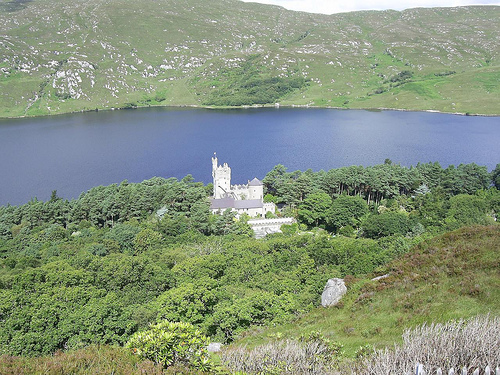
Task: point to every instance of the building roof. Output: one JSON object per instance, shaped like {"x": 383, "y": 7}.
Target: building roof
{"x": 229, "y": 202}
{"x": 249, "y": 203}
{"x": 255, "y": 182}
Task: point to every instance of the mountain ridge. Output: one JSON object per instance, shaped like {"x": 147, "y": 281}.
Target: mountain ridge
{"x": 78, "y": 56}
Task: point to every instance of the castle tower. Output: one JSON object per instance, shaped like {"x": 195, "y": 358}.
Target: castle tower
{"x": 221, "y": 175}
{"x": 255, "y": 189}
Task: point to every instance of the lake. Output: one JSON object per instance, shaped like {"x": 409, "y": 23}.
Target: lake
{"x": 72, "y": 153}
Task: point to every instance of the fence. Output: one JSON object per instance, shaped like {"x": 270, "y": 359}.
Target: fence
{"x": 419, "y": 370}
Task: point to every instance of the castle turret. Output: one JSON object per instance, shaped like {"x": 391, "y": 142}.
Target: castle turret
{"x": 255, "y": 189}
{"x": 214, "y": 164}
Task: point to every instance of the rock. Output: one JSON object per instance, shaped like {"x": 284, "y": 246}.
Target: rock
{"x": 334, "y": 290}
{"x": 380, "y": 277}
{"x": 214, "y": 347}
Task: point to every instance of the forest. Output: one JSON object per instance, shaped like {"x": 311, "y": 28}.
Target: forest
{"x": 98, "y": 269}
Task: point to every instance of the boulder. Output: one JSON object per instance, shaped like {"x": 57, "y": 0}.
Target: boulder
{"x": 214, "y": 347}
{"x": 333, "y": 292}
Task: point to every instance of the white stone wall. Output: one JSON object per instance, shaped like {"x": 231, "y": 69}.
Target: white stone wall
{"x": 269, "y": 207}
{"x": 241, "y": 192}
{"x": 256, "y": 192}
{"x": 262, "y": 227}
{"x": 252, "y": 212}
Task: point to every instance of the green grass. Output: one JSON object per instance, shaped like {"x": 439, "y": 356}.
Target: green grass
{"x": 189, "y": 50}
{"x": 452, "y": 276}
{"x": 424, "y": 89}
{"x": 91, "y": 360}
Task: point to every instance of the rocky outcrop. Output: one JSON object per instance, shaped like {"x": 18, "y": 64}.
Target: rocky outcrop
{"x": 333, "y": 292}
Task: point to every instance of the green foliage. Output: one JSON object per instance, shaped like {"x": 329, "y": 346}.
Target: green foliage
{"x": 349, "y": 256}
{"x": 221, "y": 58}
{"x": 124, "y": 235}
{"x": 466, "y": 179}
{"x": 95, "y": 359}
{"x": 191, "y": 302}
{"x": 98, "y": 268}
{"x": 495, "y": 176}
{"x": 333, "y": 349}
{"x": 249, "y": 85}
{"x": 289, "y": 230}
{"x": 466, "y": 210}
{"x": 258, "y": 308}
{"x": 386, "y": 224}
{"x": 168, "y": 343}
{"x": 401, "y": 77}
{"x": 147, "y": 239}
{"x": 448, "y": 277}
{"x": 313, "y": 210}
{"x": 346, "y": 211}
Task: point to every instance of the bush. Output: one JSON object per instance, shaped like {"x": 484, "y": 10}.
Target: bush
{"x": 171, "y": 344}
{"x": 297, "y": 357}
{"x": 473, "y": 343}
{"x": 387, "y": 224}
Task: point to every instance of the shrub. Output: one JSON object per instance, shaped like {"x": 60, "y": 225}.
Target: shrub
{"x": 473, "y": 343}
{"x": 171, "y": 344}
{"x": 313, "y": 354}
{"x": 386, "y": 224}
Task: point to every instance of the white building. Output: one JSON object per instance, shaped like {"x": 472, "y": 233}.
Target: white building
{"x": 248, "y": 199}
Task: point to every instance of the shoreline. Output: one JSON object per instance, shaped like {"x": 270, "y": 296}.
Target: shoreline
{"x": 256, "y": 106}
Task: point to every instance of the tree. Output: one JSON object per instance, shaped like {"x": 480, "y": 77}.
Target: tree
{"x": 222, "y": 224}
{"x": 257, "y": 308}
{"x": 313, "y": 209}
{"x": 431, "y": 174}
{"x": 124, "y": 234}
{"x": 200, "y": 216}
{"x": 191, "y": 302}
{"x": 465, "y": 179}
{"x": 466, "y": 210}
{"x": 346, "y": 210}
{"x": 495, "y": 176}
{"x": 146, "y": 239}
{"x": 168, "y": 343}
{"x": 274, "y": 180}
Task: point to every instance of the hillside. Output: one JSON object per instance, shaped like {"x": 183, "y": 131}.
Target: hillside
{"x": 452, "y": 276}
{"x": 64, "y": 56}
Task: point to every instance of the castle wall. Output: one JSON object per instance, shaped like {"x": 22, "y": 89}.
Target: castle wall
{"x": 262, "y": 227}
{"x": 252, "y": 212}
{"x": 269, "y": 207}
{"x": 256, "y": 192}
{"x": 241, "y": 192}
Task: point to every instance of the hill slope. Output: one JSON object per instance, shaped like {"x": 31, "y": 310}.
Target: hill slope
{"x": 62, "y": 56}
{"x": 453, "y": 276}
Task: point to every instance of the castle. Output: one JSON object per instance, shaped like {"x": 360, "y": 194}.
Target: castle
{"x": 248, "y": 199}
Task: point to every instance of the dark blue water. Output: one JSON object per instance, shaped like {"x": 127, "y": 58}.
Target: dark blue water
{"x": 73, "y": 153}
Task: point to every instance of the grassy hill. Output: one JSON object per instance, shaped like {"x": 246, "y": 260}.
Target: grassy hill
{"x": 63, "y": 56}
{"x": 453, "y": 276}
